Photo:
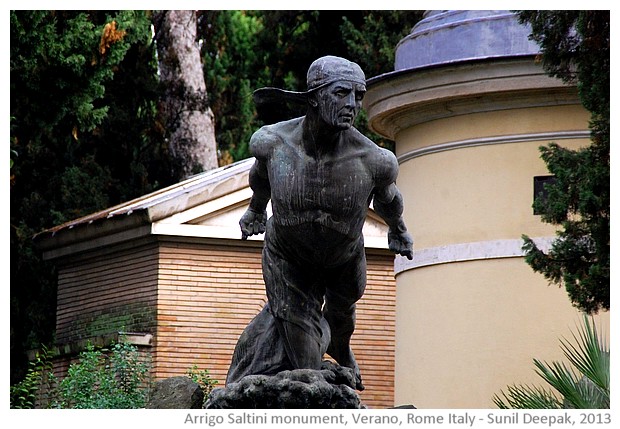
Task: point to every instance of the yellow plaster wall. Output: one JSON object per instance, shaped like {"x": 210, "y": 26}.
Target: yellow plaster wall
{"x": 483, "y": 192}
{"x": 487, "y": 124}
{"x": 474, "y": 194}
{"x": 467, "y": 330}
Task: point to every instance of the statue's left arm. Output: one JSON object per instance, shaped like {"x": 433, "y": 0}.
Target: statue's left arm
{"x": 388, "y": 203}
{"x": 254, "y": 220}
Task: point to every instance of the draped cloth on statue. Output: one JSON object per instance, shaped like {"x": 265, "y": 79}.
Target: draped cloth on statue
{"x": 261, "y": 348}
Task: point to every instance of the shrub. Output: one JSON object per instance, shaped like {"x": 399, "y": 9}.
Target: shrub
{"x": 101, "y": 378}
{"x": 98, "y": 380}
{"x": 39, "y": 381}
{"x": 204, "y": 380}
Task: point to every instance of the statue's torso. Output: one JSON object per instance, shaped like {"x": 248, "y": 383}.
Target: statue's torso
{"x": 332, "y": 190}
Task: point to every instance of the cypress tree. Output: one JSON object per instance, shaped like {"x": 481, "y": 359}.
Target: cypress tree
{"x": 575, "y": 48}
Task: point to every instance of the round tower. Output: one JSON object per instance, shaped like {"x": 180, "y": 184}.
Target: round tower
{"x": 468, "y": 106}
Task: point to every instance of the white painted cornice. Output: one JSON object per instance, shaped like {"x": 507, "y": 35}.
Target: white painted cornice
{"x": 400, "y": 100}
{"x": 488, "y": 141}
{"x": 461, "y": 252}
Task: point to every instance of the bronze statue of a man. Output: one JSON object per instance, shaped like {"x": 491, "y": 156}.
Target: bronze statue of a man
{"x": 321, "y": 175}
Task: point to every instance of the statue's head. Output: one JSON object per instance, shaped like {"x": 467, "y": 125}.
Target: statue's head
{"x": 336, "y": 88}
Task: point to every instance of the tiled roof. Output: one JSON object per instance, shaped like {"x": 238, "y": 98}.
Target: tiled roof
{"x": 161, "y": 203}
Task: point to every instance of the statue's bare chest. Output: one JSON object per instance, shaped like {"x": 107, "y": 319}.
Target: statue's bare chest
{"x": 339, "y": 186}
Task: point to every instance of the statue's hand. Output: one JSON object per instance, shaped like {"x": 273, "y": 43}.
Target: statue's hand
{"x": 252, "y": 223}
{"x": 401, "y": 244}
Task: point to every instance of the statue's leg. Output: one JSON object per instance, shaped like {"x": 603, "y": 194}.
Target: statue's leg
{"x": 347, "y": 287}
{"x": 303, "y": 350}
{"x": 259, "y": 349}
{"x": 295, "y": 298}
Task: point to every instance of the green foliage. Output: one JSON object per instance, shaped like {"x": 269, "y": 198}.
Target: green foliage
{"x": 98, "y": 380}
{"x": 247, "y": 50}
{"x": 101, "y": 378}
{"x": 584, "y": 385}
{"x": 38, "y": 381}
{"x": 83, "y": 121}
{"x": 575, "y": 48}
{"x": 203, "y": 379}
{"x": 372, "y": 42}
{"x": 84, "y": 115}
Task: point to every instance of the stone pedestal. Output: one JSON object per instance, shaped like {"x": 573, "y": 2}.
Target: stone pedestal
{"x": 331, "y": 387}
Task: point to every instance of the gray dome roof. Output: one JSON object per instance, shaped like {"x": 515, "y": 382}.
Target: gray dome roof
{"x": 448, "y": 36}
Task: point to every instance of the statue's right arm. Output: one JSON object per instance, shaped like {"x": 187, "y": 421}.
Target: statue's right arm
{"x": 255, "y": 218}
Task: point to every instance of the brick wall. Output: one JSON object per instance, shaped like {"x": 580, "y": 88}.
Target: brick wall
{"x": 196, "y": 299}
{"x": 374, "y": 339}
{"x": 206, "y": 297}
{"x": 208, "y": 294}
{"x": 107, "y": 291}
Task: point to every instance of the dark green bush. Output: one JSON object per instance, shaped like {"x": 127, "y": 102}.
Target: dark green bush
{"x": 117, "y": 377}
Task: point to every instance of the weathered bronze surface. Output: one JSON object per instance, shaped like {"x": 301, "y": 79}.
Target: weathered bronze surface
{"x": 321, "y": 175}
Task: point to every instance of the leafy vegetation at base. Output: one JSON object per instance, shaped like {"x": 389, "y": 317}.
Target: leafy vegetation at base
{"x": 101, "y": 380}
{"x": 38, "y": 381}
{"x": 116, "y": 378}
{"x": 585, "y": 385}
{"x": 203, "y": 379}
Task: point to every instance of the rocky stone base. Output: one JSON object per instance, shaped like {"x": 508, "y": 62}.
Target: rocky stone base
{"x": 332, "y": 386}
{"x": 176, "y": 393}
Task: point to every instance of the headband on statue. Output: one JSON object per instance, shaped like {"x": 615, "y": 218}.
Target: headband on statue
{"x": 322, "y": 72}
{"x": 329, "y": 69}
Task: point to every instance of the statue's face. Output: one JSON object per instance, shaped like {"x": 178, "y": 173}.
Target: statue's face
{"x": 339, "y": 103}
